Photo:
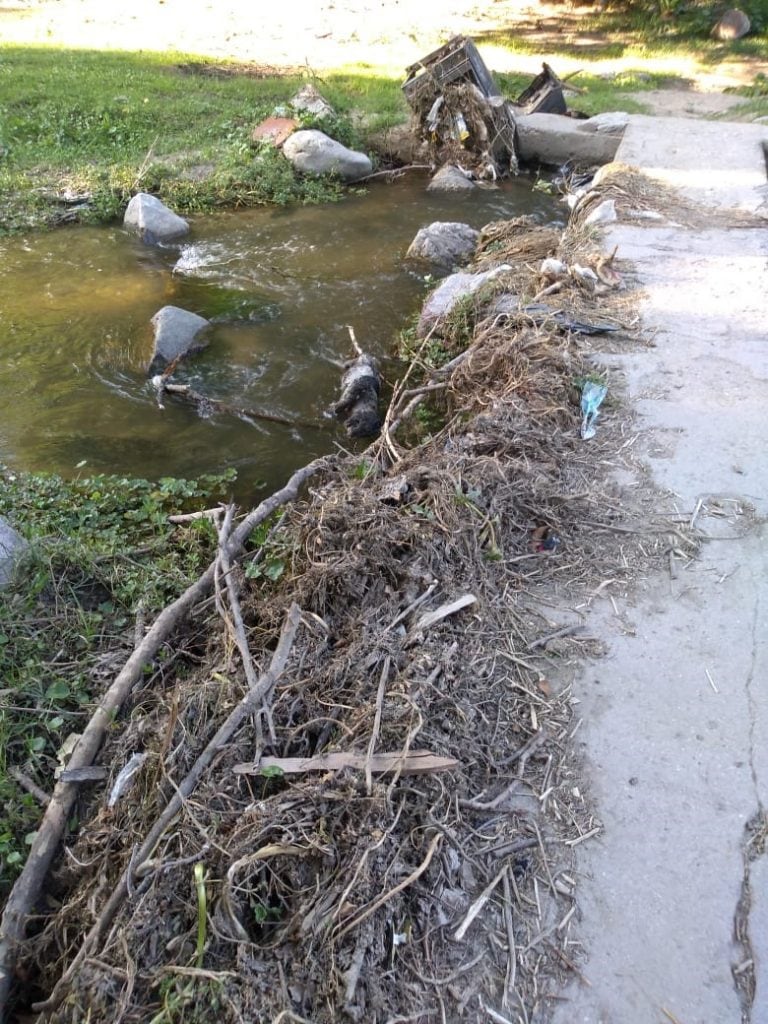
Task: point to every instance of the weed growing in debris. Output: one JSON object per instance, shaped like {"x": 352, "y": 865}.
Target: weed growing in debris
{"x": 101, "y": 555}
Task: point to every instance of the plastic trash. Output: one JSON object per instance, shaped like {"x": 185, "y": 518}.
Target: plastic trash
{"x": 125, "y": 778}
{"x": 591, "y": 399}
{"x": 605, "y": 213}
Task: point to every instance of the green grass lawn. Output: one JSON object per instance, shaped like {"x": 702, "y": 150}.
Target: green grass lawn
{"x": 110, "y": 124}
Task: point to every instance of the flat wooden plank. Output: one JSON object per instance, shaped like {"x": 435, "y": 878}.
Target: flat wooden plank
{"x": 416, "y": 762}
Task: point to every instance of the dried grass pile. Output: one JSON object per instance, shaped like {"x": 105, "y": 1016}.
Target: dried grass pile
{"x": 339, "y": 895}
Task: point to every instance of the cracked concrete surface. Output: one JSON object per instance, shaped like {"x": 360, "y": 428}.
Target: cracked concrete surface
{"x": 675, "y": 717}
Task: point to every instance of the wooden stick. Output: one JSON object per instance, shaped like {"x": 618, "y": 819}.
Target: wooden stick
{"x": 223, "y": 735}
{"x": 385, "y": 897}
{"x": 431, "y": 618}
{"x": 27, "y": 887}
{"x": 478, "y": 905}
{"x": 188, "y": 393}
{"x": 415, "y": 762}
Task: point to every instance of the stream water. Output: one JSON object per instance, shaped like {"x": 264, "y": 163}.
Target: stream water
{"x": 280, "y": 286}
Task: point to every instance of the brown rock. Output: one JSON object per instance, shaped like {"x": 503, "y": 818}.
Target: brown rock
{"x": 275, "y": 130}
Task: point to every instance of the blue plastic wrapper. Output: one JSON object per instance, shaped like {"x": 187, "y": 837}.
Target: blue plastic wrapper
{"x": 591, "y": 399}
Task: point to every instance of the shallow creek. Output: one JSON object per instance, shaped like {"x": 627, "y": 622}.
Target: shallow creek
{"x": 280, "y": 286}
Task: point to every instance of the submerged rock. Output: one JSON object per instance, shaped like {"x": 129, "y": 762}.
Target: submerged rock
{"x": 450, "y": 179}
{"x": 178, "y": 333}
{"x": 445, "y": 243}
{"x": 12, "y": 547}
{"x": 313, "y": 152}
{"x": 152, "y": 221}
{"x": 449, "y": 293}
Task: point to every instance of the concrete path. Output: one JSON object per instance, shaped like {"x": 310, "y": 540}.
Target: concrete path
{"x": 674, "y": 894}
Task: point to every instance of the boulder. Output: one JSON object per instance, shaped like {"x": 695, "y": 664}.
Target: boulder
{"x": 733, "y": 25}
{"x": 444, "y": 243}
{"x": 451, "y": 291}
{"x": 12, "y": 547}
{"x": 152, "y": 221}
{"x": 178, "y": 333}
{"x": 309, "y": 101}
{"x": 450, "y": 179}
{"x": 313, "y": 152}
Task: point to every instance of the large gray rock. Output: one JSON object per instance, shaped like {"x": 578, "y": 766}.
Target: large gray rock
{"x": 449, "y": 293}
{"x": 178, "y": 333}
{"x": 555, "y": 139}
{"x": 450, "y": 179}
{"x": 12, "y": 547}
{"x": 152, "y": 221}
{"x": 313, "y": 152}
{"x": 733, "y": 25}
{"x": 444, "y": 243}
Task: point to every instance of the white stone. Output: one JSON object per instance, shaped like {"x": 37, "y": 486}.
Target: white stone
{"x": 309, "y": 101}
{"x": 449, "y": 292}
{"x": 12, "y": 546}
{"x": 313, "y": 152}
{"x": 151, "y": 219}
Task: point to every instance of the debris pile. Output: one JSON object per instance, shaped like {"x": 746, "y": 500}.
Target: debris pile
{"x": 460, "y": 111}
{"x": 349, "y": 794}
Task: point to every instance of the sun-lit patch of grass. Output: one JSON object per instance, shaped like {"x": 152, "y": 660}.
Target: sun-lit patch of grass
{"x": 108, "y": 124}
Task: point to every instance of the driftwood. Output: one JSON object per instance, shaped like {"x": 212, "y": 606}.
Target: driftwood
{"x": 256, "y": 694}
{"x": 417, "y": 762}
{"x": 26, "y": 890}
{"x": 207, "y": 406}
{"x": 358, "y": 406}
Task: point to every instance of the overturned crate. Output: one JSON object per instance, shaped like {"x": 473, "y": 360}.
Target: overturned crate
{"x": 461, "y": 111}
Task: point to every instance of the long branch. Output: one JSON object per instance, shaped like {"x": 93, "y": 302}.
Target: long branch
{"x": 26, "y": 889}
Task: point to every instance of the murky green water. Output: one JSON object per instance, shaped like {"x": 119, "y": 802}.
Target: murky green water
{"x": 75, "y": 338}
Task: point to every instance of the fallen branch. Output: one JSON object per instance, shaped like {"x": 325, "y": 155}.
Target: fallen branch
{"x": 206, "y": 404}
{"x": 28, "y": 885}
{"x": 224, "y": 734}
{"x": 385, "y": 897}
{"x": 432, "y": 618}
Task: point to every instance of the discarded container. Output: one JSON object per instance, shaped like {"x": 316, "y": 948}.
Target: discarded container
{"x": 461, "y": 110}
{"x": 605, "y": 213}
{"x": 591, "y": 399}
{"x": 544, "y": 95}
{"x": 544, "y": 540}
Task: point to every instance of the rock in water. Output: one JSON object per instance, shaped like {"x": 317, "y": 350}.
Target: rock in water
{"x": 450, "y": 179}
{"x": 313, "y": 152}
{"x": 12, "y": 546}
{"x": 733, "y": 25}
{"x": 178, "y": 333}
{"x": 152, "y": 221}
{"x": 444, "y": 243}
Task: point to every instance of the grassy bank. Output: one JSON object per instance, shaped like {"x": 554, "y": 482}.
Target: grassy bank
{"x": 102, "y": 560}
{"x": 105, "y": 125}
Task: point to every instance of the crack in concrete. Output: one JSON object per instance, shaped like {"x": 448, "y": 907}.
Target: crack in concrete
{"x": 753, "y": 846}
